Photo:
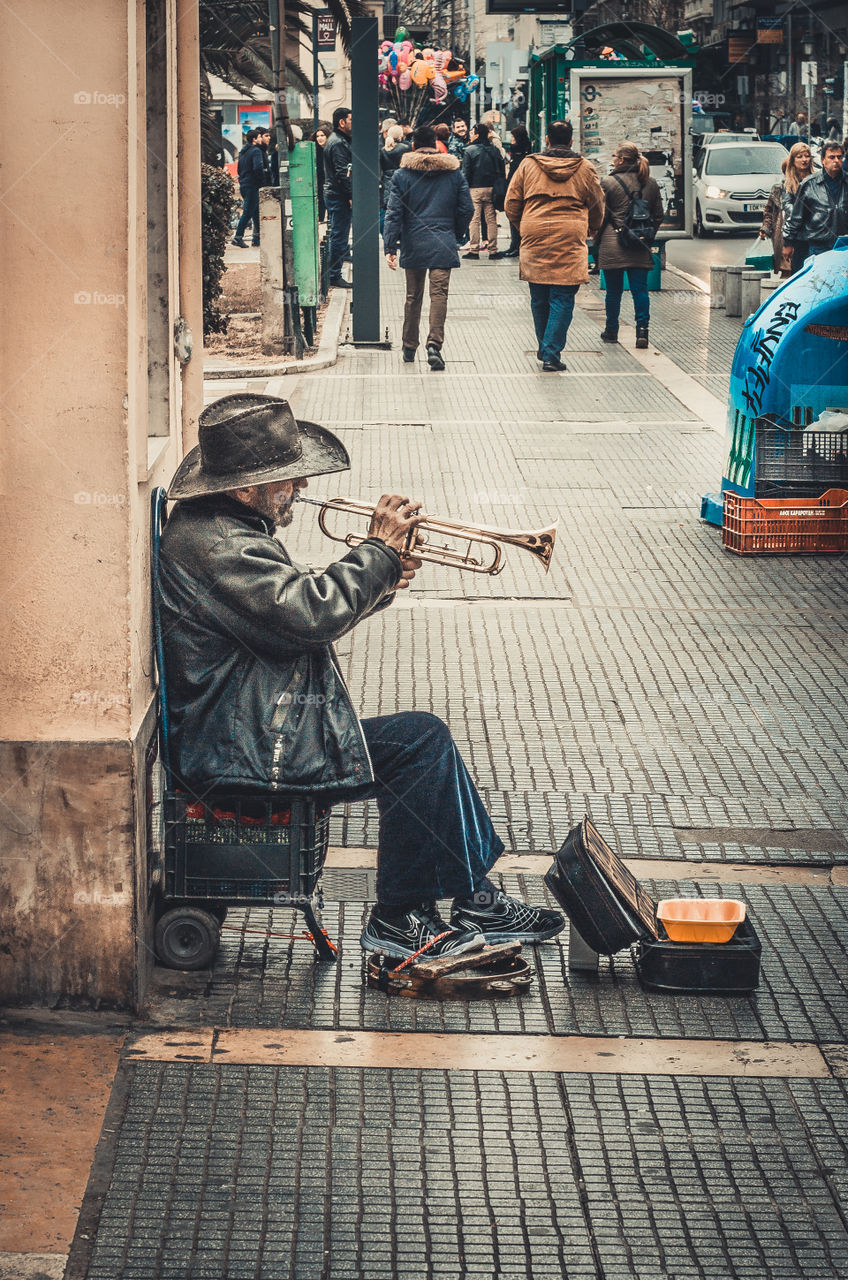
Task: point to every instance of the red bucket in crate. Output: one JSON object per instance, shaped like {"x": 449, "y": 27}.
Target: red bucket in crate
{"x": 786, "y": 526}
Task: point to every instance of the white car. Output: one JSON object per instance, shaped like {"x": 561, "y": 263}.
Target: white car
{"x": 732, "y": 184}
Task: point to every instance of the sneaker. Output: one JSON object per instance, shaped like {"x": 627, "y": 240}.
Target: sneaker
{"x": 503, "y": 919}
{"x": 408, "y": 355}
{"x": 472, "y": 257}
{"x": 240, "y": 244}
{"x": 435, "y": 358}
{"x": 341, "y": 284}
{"x": 609, "y": 335}
{"x": 421, "y": 930}
{"x": 553, "y": 366}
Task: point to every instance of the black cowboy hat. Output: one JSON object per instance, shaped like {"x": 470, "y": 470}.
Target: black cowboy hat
{"x": 249, "y": 439}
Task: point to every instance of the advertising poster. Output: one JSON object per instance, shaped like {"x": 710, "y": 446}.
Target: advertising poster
{"x": 647, "y": 111}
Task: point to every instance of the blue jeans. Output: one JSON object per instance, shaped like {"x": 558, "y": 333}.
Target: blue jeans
{"x": 814, "y": 249}
{"x": 552, "y": 306}
{"x": 340, "y": 213}
{"x": 250, "y": 213}
{"x": 436, "y": 838}
{"x": 638, "y": 281}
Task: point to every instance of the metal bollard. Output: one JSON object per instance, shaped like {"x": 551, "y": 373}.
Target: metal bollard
{"x": 718, "y": 286}
{"x": 733, "y": 291}
{"x": 749, "y": 294}
{"x": 768, "y": 285}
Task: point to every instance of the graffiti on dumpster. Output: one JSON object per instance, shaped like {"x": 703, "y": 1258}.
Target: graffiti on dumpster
{"x": 764, "y": 346}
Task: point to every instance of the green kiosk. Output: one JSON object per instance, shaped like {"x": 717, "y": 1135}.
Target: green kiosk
{"x": 624, "y": 81}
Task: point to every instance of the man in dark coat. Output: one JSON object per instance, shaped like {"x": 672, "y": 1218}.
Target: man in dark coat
{"x": 258, "y": 702}
{"x": 428, "y": 211}
{"x": 820, "y": 212}
{"x": 251, "y": 176}
{"x": 483, "y": 167}
{"x": 338, "y": 193}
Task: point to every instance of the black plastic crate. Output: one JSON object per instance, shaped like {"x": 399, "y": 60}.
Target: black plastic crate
{"x": 243, "y": 850}
{"x": 794, "y": 463}
{"x": 701, "y": 968}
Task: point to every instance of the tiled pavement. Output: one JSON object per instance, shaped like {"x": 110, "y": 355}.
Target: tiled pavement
{"x": 694, "y": 704}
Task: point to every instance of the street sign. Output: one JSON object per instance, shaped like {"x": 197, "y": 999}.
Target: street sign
{"x": 529, "y": 6}
{"x": 325, "y": 25}
{"x": 809, "y": 73}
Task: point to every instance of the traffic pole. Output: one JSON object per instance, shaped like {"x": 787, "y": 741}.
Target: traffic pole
{"x": 365, "y": 166}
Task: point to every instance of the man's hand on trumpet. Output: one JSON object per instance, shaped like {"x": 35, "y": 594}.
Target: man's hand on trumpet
{"x": 394, "y": 522}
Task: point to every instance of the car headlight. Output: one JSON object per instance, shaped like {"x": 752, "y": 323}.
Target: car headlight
{"x": 715, "y": 193}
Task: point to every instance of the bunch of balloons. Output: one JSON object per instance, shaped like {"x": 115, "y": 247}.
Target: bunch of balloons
{"x": 400, "y": 63}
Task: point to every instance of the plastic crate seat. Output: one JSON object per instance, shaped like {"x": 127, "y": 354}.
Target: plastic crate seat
{"x": 786, "y": 526}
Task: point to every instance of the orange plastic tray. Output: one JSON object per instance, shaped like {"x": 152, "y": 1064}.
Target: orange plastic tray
{"x": 701, "y": 919}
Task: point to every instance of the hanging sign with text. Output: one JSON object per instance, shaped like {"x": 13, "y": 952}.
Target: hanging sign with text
{"x": 325, "y": 31}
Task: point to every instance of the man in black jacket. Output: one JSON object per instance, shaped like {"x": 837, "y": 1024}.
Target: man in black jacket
{"x": 482, "y": 166}
{"x": 257, "y": 699}
{"x": 251, "y": 176}
{"x": 820, "y": 212}
{"x": 338, "y": 193}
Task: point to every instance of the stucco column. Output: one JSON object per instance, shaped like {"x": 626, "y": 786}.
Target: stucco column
{"x": 190, "y": 224}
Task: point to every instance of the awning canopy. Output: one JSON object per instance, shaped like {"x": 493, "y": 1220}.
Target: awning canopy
{"x": 635, "y": 41}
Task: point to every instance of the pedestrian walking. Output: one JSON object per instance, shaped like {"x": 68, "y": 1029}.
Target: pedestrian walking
{"x": 820, "y": 213}
{"x": 393, "y": 150}
{"x": 244, "y": 627}
{"x": 338, "y": 193}
{"x": 619, "y": 251}
{"x": 797, "y": 166}
{"x": 799, "y": 128}
{"x": 482, "y": 166}
{"x": 319, "y": 137}
{"x": 521, "y": 147}
{"x": 429, "y": 209}
{"x": 459, "y": 138}
{"x": 251, "y": 176}
{"x": 556, "y": 201}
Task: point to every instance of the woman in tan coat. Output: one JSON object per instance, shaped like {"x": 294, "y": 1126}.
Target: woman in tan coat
{"x": 555, "y": 201}
{"x": 630, "y": 177}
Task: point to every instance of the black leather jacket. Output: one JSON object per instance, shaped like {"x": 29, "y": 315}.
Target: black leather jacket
{"x": 482, "y": 164}
{"x": 337, "y": 161}
{"x": 816, "y": 217}
{"x": 256, "y": 697}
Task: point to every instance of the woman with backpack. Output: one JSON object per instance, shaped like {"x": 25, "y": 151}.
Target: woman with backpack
{"x": 634, "y": 211}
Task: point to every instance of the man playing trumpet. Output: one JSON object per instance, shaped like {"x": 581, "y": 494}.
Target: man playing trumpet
{"x": 257, "y": 700}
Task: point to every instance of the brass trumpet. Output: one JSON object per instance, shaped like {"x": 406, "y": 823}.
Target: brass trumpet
{"x": 539, "y": 543}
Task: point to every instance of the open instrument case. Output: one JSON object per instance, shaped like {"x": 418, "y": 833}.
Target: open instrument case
{"x": 610, "y": 910}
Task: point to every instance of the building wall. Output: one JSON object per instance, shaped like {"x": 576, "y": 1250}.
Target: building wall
{"x": 77, "y": 675}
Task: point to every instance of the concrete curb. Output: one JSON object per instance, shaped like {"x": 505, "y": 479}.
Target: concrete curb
{"x": 327, "y": 354}
{"x": 690, "y": 279}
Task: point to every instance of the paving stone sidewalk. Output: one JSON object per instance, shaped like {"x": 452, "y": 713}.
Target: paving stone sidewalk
{"x": 694, "y": 704}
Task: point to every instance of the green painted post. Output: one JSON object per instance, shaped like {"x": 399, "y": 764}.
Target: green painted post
{"x": 304, "y": 200}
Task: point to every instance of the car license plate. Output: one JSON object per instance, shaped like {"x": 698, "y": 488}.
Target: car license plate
{"x": 756, "y": 207}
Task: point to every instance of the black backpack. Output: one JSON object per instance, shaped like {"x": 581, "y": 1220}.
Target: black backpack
{"x": 636, "y": 230}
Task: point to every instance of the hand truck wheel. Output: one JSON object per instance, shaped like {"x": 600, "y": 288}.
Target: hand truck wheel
{"x": 187, "y": 938}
